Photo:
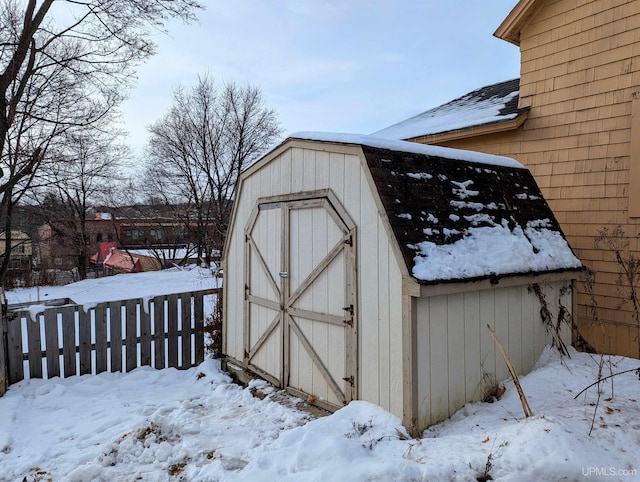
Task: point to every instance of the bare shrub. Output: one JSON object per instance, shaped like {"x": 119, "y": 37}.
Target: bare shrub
{"x": 553, "y": 326}
{"x": 213, "y": 330}
{"x": 628, "y": 269}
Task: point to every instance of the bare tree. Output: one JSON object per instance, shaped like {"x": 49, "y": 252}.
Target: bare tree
{"x": 64, "y": 65}
{"x": 198, "y": 149}
{"x": 85, "y": 173}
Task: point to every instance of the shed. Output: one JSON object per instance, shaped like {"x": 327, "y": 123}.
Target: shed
{"x": 364, "y": 268}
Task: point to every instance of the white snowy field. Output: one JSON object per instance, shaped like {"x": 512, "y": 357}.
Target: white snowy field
{"x": 196, "y": 425}
{"x": 120, "y": 287}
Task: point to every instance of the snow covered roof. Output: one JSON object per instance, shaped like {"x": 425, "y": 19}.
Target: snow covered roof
{"x": 409, "y": 147}
{"x": 461, "y": 217}
{"x": 488, "y": 105}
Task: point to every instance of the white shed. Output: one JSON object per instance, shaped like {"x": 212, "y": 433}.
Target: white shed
{"x": 363, "y": 268}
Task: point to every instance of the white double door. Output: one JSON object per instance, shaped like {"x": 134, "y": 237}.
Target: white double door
{"x": 300, "y": 313}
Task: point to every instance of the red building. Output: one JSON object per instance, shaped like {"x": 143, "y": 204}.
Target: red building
{"x": 156, "y": 229}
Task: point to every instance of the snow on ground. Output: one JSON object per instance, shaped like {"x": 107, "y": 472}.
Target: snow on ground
{"x": 121, "y": 287}
{"x": 196, "y": 425}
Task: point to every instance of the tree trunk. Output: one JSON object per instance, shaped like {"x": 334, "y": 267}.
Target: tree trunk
{"x": 6, "y": 259}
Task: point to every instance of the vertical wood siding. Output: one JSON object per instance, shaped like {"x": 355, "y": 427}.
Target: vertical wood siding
{"x": 379, "y": 288}
{"x": 457, "y": 361}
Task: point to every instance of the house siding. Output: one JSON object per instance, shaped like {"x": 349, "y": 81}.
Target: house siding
{"x": 580, "y": 74}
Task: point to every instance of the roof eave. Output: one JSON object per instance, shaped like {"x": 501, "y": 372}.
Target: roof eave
{"x": 511, "y": 27}
{"x": 473, "y": 131}
{"x": 446, "y": 287}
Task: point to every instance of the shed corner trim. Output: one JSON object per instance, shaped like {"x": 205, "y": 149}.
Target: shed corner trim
{"x": 410, "y": 287}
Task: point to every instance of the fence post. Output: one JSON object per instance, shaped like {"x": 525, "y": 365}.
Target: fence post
{"x": 198, "y": 313}
{"x": 4, "y": 361}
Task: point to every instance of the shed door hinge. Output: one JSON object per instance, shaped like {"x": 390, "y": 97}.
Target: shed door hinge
{"x": 349, "y": 309}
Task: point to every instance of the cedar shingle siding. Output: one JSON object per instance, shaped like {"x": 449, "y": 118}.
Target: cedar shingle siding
{"x": 580, "y": 78}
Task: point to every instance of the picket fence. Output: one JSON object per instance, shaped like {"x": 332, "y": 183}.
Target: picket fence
{"x": 67, "y": 340}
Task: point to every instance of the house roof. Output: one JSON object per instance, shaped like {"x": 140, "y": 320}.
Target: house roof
{"x": 15, "y": 234}
{"x": 517, "y": 19}
{"x": 460, "y": 215}
{"x": 149, "y": 212}
{"x": 491, "y": 107}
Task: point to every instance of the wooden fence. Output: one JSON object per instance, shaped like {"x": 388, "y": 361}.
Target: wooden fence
{"x": 4, "y": 362}
{"x": 67, "y": 340}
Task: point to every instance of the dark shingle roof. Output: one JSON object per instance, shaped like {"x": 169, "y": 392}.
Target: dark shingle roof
{"x": 487, "y": 105}
{"x": 460, "y": 215}
{"x": 435, "y": 202}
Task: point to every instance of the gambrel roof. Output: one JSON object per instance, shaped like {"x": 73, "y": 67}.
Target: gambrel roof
{"x": 492, "y": 108}
{"x": 461, "y": 215}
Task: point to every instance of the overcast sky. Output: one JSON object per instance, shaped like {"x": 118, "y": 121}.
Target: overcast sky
{"x": 352, "y": 66}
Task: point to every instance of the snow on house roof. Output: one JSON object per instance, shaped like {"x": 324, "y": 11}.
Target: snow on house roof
{"x": 487, "y": 105}
{"x": 458, "y": 219}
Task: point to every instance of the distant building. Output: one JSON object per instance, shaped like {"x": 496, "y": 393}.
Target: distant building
{"x": 60, "y": 243}
{"x": 159, "y": 232}
{"x": 21, "y": 259}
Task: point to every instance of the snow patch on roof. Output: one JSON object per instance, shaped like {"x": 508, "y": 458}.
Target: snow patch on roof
{"x": 411, "y": 147}
{"x": 495, "y": 249}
